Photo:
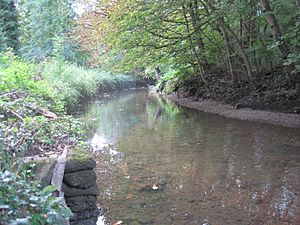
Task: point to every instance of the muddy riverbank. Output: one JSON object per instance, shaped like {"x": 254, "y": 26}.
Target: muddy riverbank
{"x": 210, "y": 106}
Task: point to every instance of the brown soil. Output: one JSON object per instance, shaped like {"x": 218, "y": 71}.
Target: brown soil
{"x": 210, "y": 106}
{"x": 274, "y": 91}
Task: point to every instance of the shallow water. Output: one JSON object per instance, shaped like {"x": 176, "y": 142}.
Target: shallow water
{"x": 162, "y": 164}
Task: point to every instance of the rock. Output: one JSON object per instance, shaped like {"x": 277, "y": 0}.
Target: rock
{"x": 44, "y": 170}
{"x": 90, "y": 221}
{"x": 81, "y": 179}
{"x": 81, "y": 203}
{"x": 257, "y": 199}
{"x": 240, "y": 106}
{"x": 86, "y": 214}
{"x": 79, "y": 160}
{"x": 72, "y": 192}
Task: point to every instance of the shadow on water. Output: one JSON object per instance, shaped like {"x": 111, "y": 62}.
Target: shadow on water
{"x": 162, "y": 164}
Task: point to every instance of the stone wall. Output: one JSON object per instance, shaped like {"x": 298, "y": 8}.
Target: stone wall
{"x": 79, "y": 183}
{"x": 80, "y": 188}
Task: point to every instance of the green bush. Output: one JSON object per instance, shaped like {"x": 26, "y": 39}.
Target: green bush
{"x": 25, "y": 98}
{"x": 170, "y": 81}
{"x": 17, "y": 75}
{"x": 22, "y": 201}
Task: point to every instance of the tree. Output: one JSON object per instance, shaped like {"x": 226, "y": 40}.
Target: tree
{"x": 207, "y": 39}
{"x": 274, "y": 25}
{"x": 9, "y": 26}
{"x": 46, "y": 23}
{"x": 89, "y": 36}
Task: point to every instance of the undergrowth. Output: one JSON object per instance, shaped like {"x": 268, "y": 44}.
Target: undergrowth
{"x": 34, "y": 101}
{"x": 33, "y": 113}
{"x": 23, "y": 201}
{"x": 34, "y": 121}
{"x": 77, "y": 82}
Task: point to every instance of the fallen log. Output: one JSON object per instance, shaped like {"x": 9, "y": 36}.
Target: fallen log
{"x": 43, "y": 112}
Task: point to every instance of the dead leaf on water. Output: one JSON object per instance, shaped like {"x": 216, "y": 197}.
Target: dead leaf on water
{"x": 124, "y": 169}
{"x": 129, "y": 196}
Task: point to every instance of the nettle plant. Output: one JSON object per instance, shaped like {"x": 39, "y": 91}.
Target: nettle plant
{"x": 23, "y": 201}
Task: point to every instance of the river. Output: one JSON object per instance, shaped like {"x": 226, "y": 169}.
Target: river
{"x": 163, "y": 164}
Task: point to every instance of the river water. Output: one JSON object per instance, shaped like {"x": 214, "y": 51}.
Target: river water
{"x": 163, "y": 164}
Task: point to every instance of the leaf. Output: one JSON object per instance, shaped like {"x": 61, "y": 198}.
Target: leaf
{"x": 49, "y": 189}
{"x": 38, "y": 219}
{"x": 129, "y": 196}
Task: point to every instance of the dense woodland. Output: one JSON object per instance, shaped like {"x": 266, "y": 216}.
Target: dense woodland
{"x": 231, "y": 51}
{"x": 225, "y": 50}
{"x": 242, "y": 52}
{"x": 210, "y": 41}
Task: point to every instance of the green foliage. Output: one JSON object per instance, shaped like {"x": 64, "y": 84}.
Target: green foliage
{"x": 9, "y": 25}
{"x": 43, "y": 22}
{"x": 65, "y": 49}
{"x": 76, "y": 81}
{"x": 18, "y": 75}
{"x": 225, "y": 40}
{"x": 15, "y": 74}
{"x": 25, "y": 101}
{"x": 22, "y": 201}
{"x": 171, "y": 80}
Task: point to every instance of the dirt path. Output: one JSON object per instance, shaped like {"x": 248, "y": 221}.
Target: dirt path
{"x": 275, "y": 118}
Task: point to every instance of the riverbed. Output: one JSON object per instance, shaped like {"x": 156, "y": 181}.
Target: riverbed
{"x": 163, "y": 164}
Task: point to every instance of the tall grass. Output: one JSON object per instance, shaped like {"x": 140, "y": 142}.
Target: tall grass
{"x": 77, "y": 82}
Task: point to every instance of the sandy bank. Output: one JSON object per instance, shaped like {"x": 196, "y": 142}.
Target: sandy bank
{"x": 275, "y": 118}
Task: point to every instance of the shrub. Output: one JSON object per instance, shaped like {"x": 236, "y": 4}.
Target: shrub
{"x": 22, "y": 201}
{"x": 16, "y": 75}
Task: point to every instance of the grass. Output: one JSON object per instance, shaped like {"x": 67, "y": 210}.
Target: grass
{"x": 77, "y": 82}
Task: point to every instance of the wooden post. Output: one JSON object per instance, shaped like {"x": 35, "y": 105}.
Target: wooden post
{"x": 58, "y": 175}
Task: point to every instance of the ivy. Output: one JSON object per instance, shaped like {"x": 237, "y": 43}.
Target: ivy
{"x": 23, "y": 201}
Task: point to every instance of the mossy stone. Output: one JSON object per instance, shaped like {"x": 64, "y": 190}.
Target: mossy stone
{"x": 79, "y": 160}
{"x": 81, "y": 179}
{"x": 72, "y": 192}
{"x": 43, "y": 170}
{"x": 81, "y": 203}
{"x": 90, "y": 221}
{"x": 86, "y": 214}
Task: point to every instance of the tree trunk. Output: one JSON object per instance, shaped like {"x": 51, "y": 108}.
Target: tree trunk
{"x": 194, "y": 50}
{"x": 269, "y": 58}
{"x": 298, "y": 4}
{"x": 157, "y": 72}
{"x": 226, "y": 27}
{"x": 228, "y": 51}
{"x": 275, "y": 28}
{"x": 240, "y": 46}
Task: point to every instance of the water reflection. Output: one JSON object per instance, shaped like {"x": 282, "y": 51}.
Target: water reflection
{"x": 208, "y": 169}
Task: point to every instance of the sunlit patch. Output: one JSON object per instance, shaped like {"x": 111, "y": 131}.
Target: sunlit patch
{"x": 98, "y": 142}
{"x": 101, "y": 220}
